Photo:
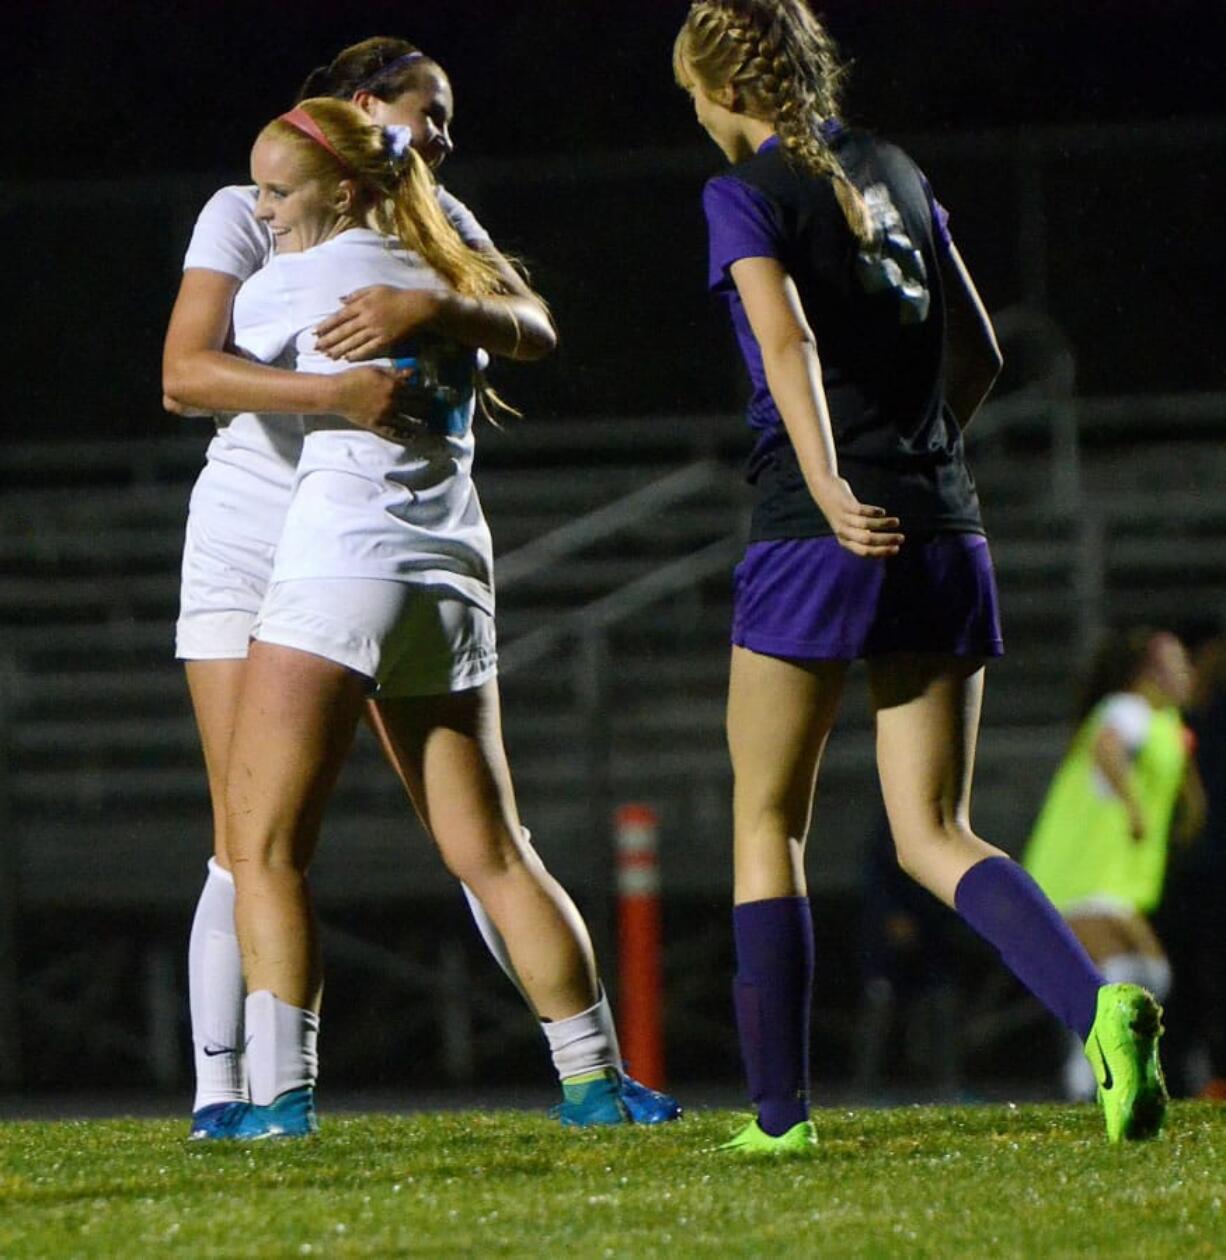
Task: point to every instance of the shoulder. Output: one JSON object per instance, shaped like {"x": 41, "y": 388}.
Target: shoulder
{"x": 231, "y": 208}
{"x": 227, "y": 236}
{"x": 869, "y": 159}
{"x": 462, "y": 219}
{"x": 1127, "y": 715}
{"x": 740, "y": 193}
{"x": 363, "y": 257}
{"x": 236, "y": 200}
{"x": 764, "y": 172}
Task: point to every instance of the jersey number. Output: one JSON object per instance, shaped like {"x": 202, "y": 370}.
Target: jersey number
{"x": 893, "y": 262}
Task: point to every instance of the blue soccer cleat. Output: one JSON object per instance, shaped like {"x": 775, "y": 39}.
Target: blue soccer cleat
{"x": 646, "y": 1105}
{"x": 611, "y": 1097}
{"x": 592, "y": 1099}
{"x": 290, "y": 1115}
{"x": 217, "y": 1120}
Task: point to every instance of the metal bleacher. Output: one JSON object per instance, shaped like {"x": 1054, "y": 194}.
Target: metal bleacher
{"x": 616, "y": 540}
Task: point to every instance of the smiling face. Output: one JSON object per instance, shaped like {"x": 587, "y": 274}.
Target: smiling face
{"x": 426, "y": 109}
{"x": 300, "y": 209}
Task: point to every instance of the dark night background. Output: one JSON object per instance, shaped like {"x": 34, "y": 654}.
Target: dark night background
{"x": 1080, "y": 146}
{"x": 580, "y": 155}
{"x": 107, "y": 89}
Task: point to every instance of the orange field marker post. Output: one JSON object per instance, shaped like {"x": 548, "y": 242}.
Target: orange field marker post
{"x": 639, "y": 940}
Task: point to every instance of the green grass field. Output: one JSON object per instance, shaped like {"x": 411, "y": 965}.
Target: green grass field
{"x": 1032, "y": 1181}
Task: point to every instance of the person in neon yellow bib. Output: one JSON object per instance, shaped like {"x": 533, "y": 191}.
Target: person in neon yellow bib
{"x": 1099, "y": 847}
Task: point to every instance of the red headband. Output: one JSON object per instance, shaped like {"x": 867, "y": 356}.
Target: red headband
{"x": 300, "y": 120}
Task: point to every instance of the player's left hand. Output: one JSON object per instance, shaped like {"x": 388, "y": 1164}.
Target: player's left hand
{"x": 374, "y": 319}
{"x": 861, "y": 528}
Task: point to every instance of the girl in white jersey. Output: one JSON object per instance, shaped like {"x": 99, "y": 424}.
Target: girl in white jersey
{"x": 382, "y": 579}
{"x": 239, "y": 506}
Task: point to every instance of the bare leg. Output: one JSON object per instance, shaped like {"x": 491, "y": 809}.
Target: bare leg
{"x": 295, "y": 725}
{"x": 927, "y": 726}
{"x": 449, "y": 752}
{"x": 927, "y": 723}
{"x": 779, "y": 717}
{"x": 485, "y": 925}
{"x": 215, "y": 688}
{"x": 1107, "y": 935}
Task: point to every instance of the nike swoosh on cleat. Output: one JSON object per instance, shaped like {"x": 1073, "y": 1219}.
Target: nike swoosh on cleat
{"x": 1108, "y": 1080}
{"x": 214, "y": 1051}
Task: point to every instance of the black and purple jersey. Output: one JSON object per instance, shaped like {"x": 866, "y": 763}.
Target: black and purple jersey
{"x": 879, "y": 320}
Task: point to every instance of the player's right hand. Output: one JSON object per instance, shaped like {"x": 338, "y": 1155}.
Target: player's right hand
{"x": 373, "y": 398}
{"x": 861, "y": 528}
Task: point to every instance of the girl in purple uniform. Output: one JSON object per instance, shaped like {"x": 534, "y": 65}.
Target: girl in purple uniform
{"x": 869, "y": 351}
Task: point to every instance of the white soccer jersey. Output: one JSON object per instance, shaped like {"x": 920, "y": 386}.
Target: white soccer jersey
{"x": 230, "y": 239}
{"x": 363, "y": 506}
{"x": 1128, "y": 715}
{"x": 240, "y": 499}
{"x": 251, "y": 459}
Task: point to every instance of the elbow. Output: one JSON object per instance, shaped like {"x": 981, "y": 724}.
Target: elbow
{"x": 795, "y": 342}
{"x": 537, "y": 342}
{"x": 176, "y": 380}
{"x": 536, "y": 337}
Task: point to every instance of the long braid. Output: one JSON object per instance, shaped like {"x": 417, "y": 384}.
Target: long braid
{"x": 783, "y": 67}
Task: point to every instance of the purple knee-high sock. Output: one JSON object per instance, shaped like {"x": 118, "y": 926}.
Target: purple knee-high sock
{"x": 772, "y": 992}
{"x": 1010, "y": 911}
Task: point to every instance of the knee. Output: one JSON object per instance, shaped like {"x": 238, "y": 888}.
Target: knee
{"x": 769, "y": 817}
{"x": 916, "y": 840}
{"x": 500, "y": 855}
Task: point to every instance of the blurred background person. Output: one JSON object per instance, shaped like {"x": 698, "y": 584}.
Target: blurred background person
{"x": 1099, "y": 848}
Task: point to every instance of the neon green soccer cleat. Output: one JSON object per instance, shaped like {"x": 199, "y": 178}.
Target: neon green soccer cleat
{"x": 1123, "y": 1050}
{"x": 752, "y": 1141}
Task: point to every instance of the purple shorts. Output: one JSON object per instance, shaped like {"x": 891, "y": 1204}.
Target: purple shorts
{"x": 809, "y": 598}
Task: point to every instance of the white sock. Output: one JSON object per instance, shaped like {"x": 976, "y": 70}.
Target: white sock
{"x": 215, "y": 991}
{"x": 502, "y": 956}
{"x": 601, "y": 1013}
{"x": 493, "y": 941}
{"x": 1159, "y": 983}
{"x": 281, "y": 1047}
{"x": 583, "y": 1043}
{"x": 1129, "y": 969}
